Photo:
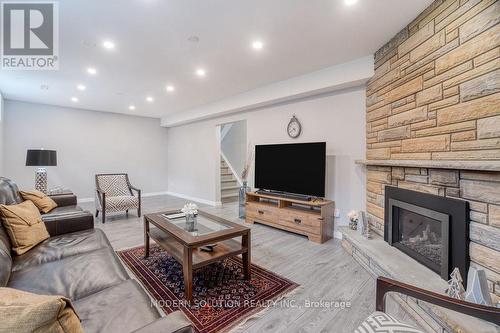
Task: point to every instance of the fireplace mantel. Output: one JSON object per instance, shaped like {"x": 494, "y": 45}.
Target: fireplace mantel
{"x": 486, "y": 165}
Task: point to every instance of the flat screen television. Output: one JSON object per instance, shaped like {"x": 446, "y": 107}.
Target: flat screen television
{"x": 297, "y": 168}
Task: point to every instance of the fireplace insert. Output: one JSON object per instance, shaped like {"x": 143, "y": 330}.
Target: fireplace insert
{"x": 429, "y": 228}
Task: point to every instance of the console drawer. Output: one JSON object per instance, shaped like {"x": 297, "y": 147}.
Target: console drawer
{"x": 310, "y": 224}
{"x": 261, "y": 212}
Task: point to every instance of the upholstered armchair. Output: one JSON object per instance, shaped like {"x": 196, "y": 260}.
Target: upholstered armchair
{"x": 114, "y": 193}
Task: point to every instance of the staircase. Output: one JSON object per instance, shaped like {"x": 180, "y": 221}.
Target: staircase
{"x": 228, "y": 184}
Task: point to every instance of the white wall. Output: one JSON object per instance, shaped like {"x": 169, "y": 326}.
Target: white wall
{"x": 234, "y": 146}
{"x": 87, "y": 143}
{"x": 337, "y": 118}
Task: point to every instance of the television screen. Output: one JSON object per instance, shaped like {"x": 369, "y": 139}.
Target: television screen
{"x": 294, "y": 168}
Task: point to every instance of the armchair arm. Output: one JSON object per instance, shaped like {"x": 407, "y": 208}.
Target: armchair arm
{"x": 385, "y": 285}
{"x": 135, "y": 189}
{"x": 176, "y": 322}
{"x": 63, "y": 200}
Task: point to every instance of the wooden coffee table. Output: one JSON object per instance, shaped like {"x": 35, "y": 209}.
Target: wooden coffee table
{"x": 175, "y": 237}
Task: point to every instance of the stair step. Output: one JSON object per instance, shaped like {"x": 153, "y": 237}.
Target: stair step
{"x": 230, "y": 187}
{"x": 229, "y": 195}
{"x": 228, "y": 180}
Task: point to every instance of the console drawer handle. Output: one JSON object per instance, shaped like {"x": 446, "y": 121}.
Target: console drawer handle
{"x": 261, "y": 212}
{"x": 298, "y": 221}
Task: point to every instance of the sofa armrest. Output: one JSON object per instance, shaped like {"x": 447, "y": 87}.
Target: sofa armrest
{"x": 176, "y": 322}
{"x": 64, "y": 224}
{"x": 63, "y": 200}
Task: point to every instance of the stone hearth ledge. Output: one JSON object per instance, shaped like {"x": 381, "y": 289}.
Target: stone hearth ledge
{"x": 381, "y": 259}
{"x": 486, "y": 165}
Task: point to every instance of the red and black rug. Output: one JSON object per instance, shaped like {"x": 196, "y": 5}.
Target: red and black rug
{"x": 222, "y": 297}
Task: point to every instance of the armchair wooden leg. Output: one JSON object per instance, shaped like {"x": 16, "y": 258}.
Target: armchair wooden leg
{"x": 96, "y": 213}
{"x": 126, "y": 212}
{"x": 103, "y": 217}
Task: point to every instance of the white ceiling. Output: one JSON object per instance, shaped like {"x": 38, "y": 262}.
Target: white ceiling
{"x": 153, "y": 50}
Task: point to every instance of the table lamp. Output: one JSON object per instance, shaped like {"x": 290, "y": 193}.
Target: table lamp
{"x": 41, "y": 158}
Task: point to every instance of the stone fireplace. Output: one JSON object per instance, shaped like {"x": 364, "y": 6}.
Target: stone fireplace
{"x": 433, "y": 127}
{"x": 431, "y": 229}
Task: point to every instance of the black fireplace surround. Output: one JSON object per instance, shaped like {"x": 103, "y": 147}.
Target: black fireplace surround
{"x": 433, "y": 230}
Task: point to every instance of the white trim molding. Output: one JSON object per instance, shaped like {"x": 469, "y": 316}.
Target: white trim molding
{"x": 199, "y": 200}
{"x": 347, "y": 75}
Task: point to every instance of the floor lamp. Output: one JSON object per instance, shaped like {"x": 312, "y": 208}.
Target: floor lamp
{"x": 41, "y": 158}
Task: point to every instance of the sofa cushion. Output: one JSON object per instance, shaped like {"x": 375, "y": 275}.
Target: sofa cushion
{"x": 74, "y": 277}
{"x": 41, "y": 200}
{"x": 62, "y": 246}
{"x": 5, "y": 257}
{"x": 380, "y": 322}
{"x": 26, "y": 312}
{"x": 9, "y": 193}
{"x": 24, "y": 225}
{"x": 122, "y": 308}
{"x": 175, "y": 322}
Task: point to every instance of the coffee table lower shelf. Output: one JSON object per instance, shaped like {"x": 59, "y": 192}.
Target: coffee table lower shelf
{"x": 224, "y": 249}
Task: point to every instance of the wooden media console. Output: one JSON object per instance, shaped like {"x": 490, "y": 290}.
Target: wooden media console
{"x": 313, "y": 219}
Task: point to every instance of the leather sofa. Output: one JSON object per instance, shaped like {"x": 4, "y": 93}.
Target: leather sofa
{"x": 78, "y": 262}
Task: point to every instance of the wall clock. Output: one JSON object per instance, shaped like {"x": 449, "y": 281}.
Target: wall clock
{"x": 294, "y": 128}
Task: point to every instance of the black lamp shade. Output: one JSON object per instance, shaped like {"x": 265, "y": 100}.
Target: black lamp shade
{"x": 41, "y": 157}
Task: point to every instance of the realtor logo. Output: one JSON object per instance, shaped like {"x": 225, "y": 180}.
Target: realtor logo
{"x": 30, "y": 35}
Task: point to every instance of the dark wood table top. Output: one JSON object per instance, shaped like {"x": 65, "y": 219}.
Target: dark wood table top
{"x": 188, "y": 239}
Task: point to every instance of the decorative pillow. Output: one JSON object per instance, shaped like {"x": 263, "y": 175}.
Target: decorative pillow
{"x": 24, "y": 225}
{"x": 26, "y": 312}
{"x": 42, "y": 201}
{"x": 380, "y": 322}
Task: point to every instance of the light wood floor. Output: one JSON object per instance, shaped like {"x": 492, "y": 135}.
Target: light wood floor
{"x": 325, "y": 272}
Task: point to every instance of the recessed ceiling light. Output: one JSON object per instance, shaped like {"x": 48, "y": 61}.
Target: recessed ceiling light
{"x": 91, "y": 70}
{"x": 74, "y": 99}
{"x": 170, "y": 88}
{"x": 81, "y": 87}
{"x": 131, "y": 107}
{"x": 257, "y": 45}
{"x": 201, "y": 72}
{"x": 350, "y": 2}
{"x": 108, "y": 45}
{"x": 150, "y": 99}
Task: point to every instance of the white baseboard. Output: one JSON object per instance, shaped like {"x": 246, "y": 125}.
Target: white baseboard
{"x": 188, "y": 197}
{"x": 154, "y": 194}
{"x": 144, "y": 195}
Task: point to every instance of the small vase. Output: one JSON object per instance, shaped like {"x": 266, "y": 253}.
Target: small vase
{"x": 353, "y": 225}
{"x": 190, "y": 222}
{"x": 242, "y": 197}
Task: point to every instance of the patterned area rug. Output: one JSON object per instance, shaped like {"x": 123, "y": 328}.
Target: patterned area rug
{"x": 222, "y": 297}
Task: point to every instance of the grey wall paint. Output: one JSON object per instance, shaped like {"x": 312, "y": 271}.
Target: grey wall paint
{"x": 87, "y": 143}
{"x": 234, "y": 146}
{"x": 338, "y": 119}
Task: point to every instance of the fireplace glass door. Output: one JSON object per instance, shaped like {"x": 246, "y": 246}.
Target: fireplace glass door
{"x": 421, "y": 233}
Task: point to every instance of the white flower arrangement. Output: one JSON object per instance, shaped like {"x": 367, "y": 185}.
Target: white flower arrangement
{"x": 190, "y": 208}
{"x": 353, "y": 216}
